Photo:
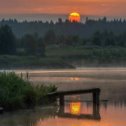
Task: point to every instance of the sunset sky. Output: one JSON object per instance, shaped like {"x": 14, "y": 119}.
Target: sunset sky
{"x": 84, "y": 7}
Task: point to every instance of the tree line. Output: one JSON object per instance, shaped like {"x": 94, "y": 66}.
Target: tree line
{"x": 98, "y": 39}
{"x": 33, "y": 44}
{"x": 85, "y": 29}
{"x": 27, "y": 45}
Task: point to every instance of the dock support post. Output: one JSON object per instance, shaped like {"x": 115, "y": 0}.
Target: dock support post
{"x": 61, "y": 103}
{"x": 96, "y": 102}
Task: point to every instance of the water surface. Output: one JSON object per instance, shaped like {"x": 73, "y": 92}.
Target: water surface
{"x": 111, "y": 81}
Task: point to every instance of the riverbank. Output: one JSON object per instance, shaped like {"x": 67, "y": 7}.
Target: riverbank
{"x": 32, "y": 62}
{"x": 67, "y": 58}
{"x": 80, "y": 56}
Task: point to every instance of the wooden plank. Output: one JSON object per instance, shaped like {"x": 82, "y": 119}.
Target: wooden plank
{"x": 74, "y": 92}
{"x": 82, "y": 116}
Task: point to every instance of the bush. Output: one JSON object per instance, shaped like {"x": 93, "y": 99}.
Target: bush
{"x": 42, "y": 91}
{"x": 16, "y": 93}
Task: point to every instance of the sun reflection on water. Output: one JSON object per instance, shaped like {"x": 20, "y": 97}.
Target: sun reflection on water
{"x": 75, "y": 108}
{"x": 74, "y": 78}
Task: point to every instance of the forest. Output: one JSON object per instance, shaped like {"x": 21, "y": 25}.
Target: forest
{"x": 83, "y": 30}
{"x": 48, "y": 44}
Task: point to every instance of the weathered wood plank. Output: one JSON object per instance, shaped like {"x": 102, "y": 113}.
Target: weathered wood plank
{"x": 74, "y": 92}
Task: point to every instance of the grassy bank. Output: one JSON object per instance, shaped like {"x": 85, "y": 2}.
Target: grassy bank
{"x": 16, "y": 93}
{"x": 10, "y": 62}
{"x": 68, "y": 57}
{"x": 90, "y": 56}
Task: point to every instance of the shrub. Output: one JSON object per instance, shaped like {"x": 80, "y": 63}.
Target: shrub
{"x": 42, "y": 91}
{"x": 16, "y": 93}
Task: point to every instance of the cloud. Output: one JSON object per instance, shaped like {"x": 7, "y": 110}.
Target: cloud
{"x": 105, "y": 7}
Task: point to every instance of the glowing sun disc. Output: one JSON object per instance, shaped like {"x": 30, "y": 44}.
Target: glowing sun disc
{"x": 74, "y": 17}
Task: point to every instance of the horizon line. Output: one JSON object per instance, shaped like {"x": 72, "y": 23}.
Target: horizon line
{"x": 63, "y": 14}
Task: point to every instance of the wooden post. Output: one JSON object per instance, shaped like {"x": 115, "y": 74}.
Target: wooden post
{"x": 27, "y": 75}
{"x": 61, "y": 103}
{"x": 96, "y": 102}
{"x": 21, "y": 75}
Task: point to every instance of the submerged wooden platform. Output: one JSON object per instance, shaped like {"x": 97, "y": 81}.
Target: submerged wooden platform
{"x": 95, "y": 94}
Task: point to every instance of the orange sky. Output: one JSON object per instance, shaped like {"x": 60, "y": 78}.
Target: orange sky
{"x": 85, "y": 7}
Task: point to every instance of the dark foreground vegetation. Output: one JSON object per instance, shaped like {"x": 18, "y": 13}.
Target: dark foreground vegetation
{"x": 16, "y": 93}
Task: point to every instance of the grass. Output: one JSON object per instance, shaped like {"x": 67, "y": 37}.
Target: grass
{"x": 68, "y": 57}
{"x": 7, "y": 62}
{"x": 16, "y": 93}
{"x": 90, "y": 56}
{"x": 85, "y": 52}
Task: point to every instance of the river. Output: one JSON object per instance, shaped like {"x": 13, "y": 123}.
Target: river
{"x": 111, "y": 81}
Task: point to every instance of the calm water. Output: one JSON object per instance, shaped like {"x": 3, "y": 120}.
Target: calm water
{"x": 110, "y": 115}
{"x": 112, "y": 82}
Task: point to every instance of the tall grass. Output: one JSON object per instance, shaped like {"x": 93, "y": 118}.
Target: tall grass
{"x": 16, "y": 93}
{"x": 41, "y": 94}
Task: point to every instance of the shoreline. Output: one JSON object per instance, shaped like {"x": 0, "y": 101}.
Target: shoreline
{"x": 59, "y": 69}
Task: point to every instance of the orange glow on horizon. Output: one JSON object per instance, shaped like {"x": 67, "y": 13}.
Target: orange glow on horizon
{"x": 74, "y": 17}
{"x": 75, "y": 108}
{"x": 85, "y": 7}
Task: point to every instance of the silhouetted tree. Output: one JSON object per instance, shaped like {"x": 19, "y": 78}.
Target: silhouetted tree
{"x": 109, "y": 39}
{"x": 33, "y": 45}
{"x": 7, "y": 40}
{"x": 60, "y": 21}
{"x": 96, "y": 39}
{"x": 50, "y": 37}
{"x": 41, "y": 47}
{"x": 30, "y": 45}
{"x": 121, "y": 39}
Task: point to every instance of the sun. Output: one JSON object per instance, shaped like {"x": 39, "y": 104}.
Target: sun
{"x": 74, "y": 17}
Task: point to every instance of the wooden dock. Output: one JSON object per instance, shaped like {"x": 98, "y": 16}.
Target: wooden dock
{"x": 95, "y": 94}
